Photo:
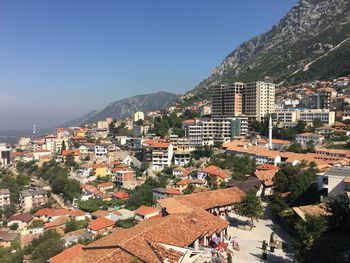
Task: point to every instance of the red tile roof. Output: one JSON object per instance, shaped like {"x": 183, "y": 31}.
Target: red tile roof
{"x": 171, "y": 191}
{"x": 146, "y": 210}
{"x": 99, "y": 213}
{"x": 121, "y": 195}
{"x": 100, "y": 223}
{"x": 203, "y": 200}
{"x": 24, "y": 217}
{"x": 68, "y": 254}
{"x": 184, "y": 182}
{"x": 57, "y": 222}
{"x": 70, "y": 152}
{"x": 267, "y": 166}
{"x": 179, "y": 230}
{"x": 216, "y": 171}
{"x": 75, "y": 213}
{"x": 52, "y": 212}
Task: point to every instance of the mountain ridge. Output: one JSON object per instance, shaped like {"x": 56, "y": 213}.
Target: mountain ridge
{"x": 125, "y": 107}
{"x": 308, "y": 32}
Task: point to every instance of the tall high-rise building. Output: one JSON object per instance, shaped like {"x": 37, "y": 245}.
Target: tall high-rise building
{"x": 258, "y": 100}
{"x": 227, "y": 100}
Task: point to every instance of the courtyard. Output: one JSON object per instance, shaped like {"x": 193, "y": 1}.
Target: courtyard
{"x": 250, "y": 241}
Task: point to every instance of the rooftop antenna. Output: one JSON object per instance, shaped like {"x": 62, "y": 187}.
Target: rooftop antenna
{"x": 34, "y": 131}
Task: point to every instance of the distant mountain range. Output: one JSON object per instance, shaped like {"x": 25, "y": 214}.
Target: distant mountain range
{"x": 124, "y": 108}
{"x": 311, "y": 42}
{"x": 119, "y": 110}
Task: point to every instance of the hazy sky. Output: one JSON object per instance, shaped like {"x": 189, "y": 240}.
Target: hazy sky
{"x": 60, "y": 59}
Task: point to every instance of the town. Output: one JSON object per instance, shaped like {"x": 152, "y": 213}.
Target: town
{"x": 239, "y": 173}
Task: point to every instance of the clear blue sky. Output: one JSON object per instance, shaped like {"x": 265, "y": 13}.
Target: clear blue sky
{"x": 60, "y": 59}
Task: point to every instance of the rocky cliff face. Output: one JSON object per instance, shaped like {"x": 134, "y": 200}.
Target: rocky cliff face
{"x": 312, "y": 30}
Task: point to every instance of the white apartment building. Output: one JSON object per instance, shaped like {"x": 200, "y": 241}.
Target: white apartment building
{"x": 258, "y": 100}
{"x": 5, "y": 155}
{"x": 50, "y": 143}
{"x": 139, "y": 116}
{"x": 4, "y": 198}
{"x": 327, "y": 117}
{"x": 162, "y": 155}
{"x": 102, "y": 125}
{"x": 218, "y": 129}
{"x": 289, "y": 118}
{"x": 335, "y": 181}
{"x": 304, "y": 138}
{"x": 100, "y": 150}
{"x": 182, "y": 158}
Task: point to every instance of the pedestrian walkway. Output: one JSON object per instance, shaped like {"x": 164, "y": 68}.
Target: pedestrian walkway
{"x": 250, "y": 242}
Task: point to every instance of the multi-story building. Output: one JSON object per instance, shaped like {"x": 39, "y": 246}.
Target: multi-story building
{"x": 5, "y": 155}
{"x": 327, "y": 117}
{"x": 258, "y": 100}
{"x": 335, "y": 181}
{"x": 218, "y": 129}
{"x": 289, "y": 118}
{"x": 102, "y": 125}
{"x": 304, "y": 138}
{"x": 50, "y": 143}
{"x": 101, "y": 150}
{"x": 29, "y": 199}
{"x": 139, "y": 116}
{"x": 326, "y": 95}
{"x": 162, "y": 155}
{"x": 4, "y": 198}
{"x": 125, "y": 178}
{"x": 227, "y": 100}
{"x": 182, "y": 158}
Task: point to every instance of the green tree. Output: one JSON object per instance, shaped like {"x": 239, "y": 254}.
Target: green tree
{"x": 306, "y": 232}
{"x": 340, "y": 213}
{"x": 295, "y": 179}
{"x": 300, "y": 127}
{"x": 250, "y": 206}
{"x": 58, "y": 184}
{"x": 9, "y": 210}
{"x": 296, "y": 148}
{"x": 310, "y": 147}
{"x": 48, "y": 245}
{"x": 70, "y": 162}
{"x": 126, "y": 223}
{"x": 71, "y": 189}
{"x": 14, "y": 227}
{"x": 63, "y": 148}
{"x": 316, "y": 123}
{"x": 90, "y": 205}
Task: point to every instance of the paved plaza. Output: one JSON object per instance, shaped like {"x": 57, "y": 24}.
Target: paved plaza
{"x": 250, "y": 242}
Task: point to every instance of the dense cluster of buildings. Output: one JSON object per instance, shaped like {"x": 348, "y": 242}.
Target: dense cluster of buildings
{"x": 189, "y": 214}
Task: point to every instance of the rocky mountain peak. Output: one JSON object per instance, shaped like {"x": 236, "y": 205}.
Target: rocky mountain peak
{"x": 311, "y": 29}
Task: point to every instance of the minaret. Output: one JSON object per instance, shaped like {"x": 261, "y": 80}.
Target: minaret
{"x": 270, "y": 133}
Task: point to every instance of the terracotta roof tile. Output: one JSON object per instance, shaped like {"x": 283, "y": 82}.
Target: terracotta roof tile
{"x": 146, "y": 210}
{"x": 100, "y": 223}
{"x": 121, "y": 195}
{"x": 177, "y": 230}
{"x": 203, "y": 200}
{"x": 68, "y": 254}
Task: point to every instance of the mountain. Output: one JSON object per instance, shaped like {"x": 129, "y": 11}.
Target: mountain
{"x": 80, "y": 120}
{"x": 124, "y": 108}
{"x": 312, "y": 41}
